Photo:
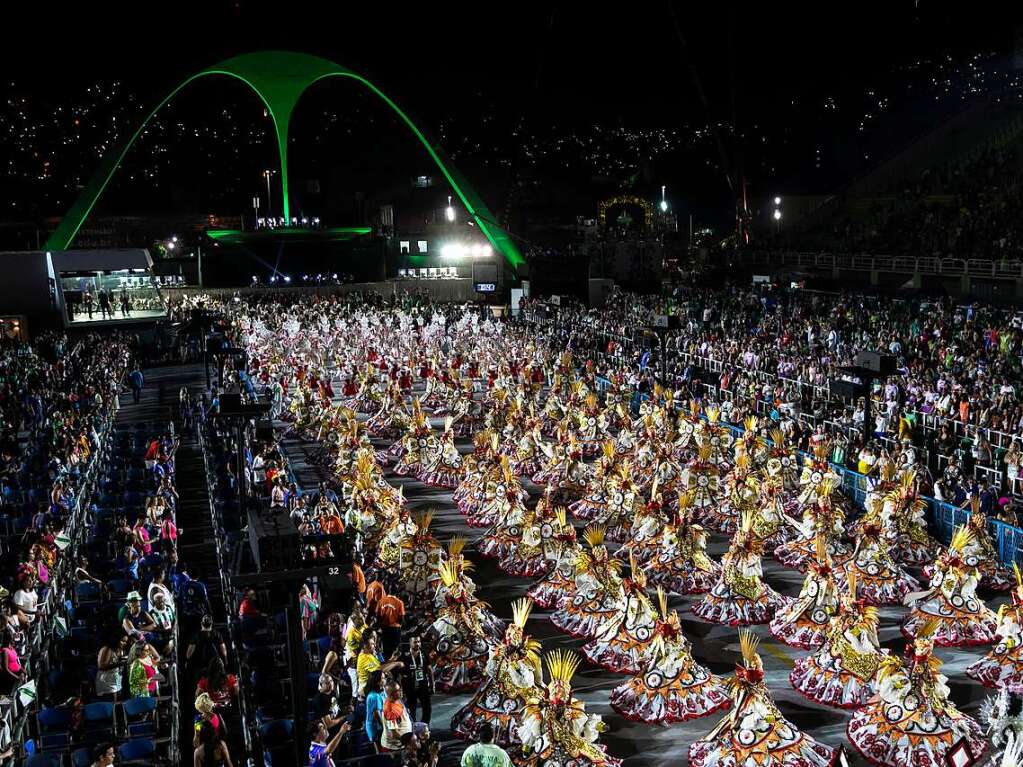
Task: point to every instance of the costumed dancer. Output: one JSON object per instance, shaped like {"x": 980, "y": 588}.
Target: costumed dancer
{"x": 960, "y": 619}
{"x": 462, "y": 645}
{"x": 1002, "y": 667}
{"x": 754, "y": 732}
{"x": 822, "y": 517}
{"x": 740, "y": 596}
{"x": 672, "y": 686}
{"x": 912, "y": 720}
{"x": 621, "y": 644}
{"x": 882, "y": 581}
{"x": 442, "y": 467}
{"x": 804, "y": 621}
{"x": 555, "y": 728}
{"x": 513, "y": 674}
{"x": 598, "y": 596}
{"x": 559, "y": 582}
{"x": 841, "y": 671}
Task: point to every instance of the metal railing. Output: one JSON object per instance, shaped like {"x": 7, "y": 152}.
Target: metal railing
{"x": 930, "y": 265}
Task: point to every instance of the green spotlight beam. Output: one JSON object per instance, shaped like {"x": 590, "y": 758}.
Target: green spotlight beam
{"x": 280, "y": 78}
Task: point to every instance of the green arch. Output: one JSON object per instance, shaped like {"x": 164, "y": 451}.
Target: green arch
{"x": 279, "y": 78}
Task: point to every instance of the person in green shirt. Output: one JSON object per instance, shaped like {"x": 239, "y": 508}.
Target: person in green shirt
{"x": 485, "y": 753}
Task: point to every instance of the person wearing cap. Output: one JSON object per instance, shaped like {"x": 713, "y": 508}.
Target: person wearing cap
{"x": 136, "y": 621}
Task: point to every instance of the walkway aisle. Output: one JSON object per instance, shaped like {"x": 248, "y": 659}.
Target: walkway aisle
{"x": 196, "y": 548}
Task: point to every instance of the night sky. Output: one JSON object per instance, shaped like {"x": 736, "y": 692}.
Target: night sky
{"x": 816, "y": 92}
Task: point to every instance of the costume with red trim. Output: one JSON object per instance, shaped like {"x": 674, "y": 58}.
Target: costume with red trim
{"x": 754, "y": 732}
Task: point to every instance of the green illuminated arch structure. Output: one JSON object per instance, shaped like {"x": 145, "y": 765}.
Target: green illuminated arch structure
{"x": 280, "y": 78}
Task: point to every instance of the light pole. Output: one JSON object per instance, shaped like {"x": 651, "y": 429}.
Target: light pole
{"x": 449, "y": 212}
{"x": 664, "y": 201}
{"x": 266, "y": 174}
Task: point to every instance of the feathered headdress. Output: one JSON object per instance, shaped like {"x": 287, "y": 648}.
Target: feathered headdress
{"x": 521, "y": 608}
{"x": 594, "y": 535}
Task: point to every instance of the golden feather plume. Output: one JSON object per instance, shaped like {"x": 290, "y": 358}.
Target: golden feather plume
{"x": 521, "y": 608}
{"x": 456, "y": 545}
{"x": 960, "y": 539}
{"x": 662, "y": 602}
{"x": 560, "y": 514}
{"x": 748, "y": 643}
{"x": 448, "y": 574}
{"x": 423, "y": 520}
{"x": 594, "y": 535}
{"x": 927, "y": 629}
{"x": 562, "y": 665}
{"x": 712, "y": 415}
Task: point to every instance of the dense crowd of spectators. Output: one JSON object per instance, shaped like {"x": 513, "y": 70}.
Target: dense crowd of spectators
{"x": 965, "y": 210}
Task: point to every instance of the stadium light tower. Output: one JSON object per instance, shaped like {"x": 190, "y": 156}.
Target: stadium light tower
{"x": 449, "y": 212}
{"x": 664, "y": 201}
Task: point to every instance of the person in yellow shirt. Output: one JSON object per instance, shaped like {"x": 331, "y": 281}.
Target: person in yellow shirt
{"x": 368, "y": 662}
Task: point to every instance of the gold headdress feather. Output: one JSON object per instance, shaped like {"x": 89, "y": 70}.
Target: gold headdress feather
{"x": 521, "y": 608}
{"x": 423, "y": 521}
{"x": 561, "y": 516}
{"x": 448, "y": 574}
{"x": 562, "y": 665}
{"x": 456, "y": 545}
{"x": 748, "y": 643}
{"x": 712, "y": 415}
{"x": 927, "y": 629}
{"x": 594, "y": 535}
{"x": 960, "y": 539}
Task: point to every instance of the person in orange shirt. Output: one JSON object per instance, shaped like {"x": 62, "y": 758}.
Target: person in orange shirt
{"x": 375, "y": 591}
{"x": 390, "y": 613}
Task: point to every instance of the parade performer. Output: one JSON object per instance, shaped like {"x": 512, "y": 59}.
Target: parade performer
{"x": 804, "y": 621}
{"x": 822, "y": 517}
{"x": 598, "y": 596}
{"x": 540, "y": 539}
{"x": 1002, "y": 667}
{"x": 951, "y": 603}
{"x": 882, "y": 581}
{"x": 559, "y": 582}
{"x": 671, "y": 686}
{"x": 912, "y": 720}
{"x": 442, "y": 467}
{"x": 740, "y": 597}
{"x": 754, "y": 732}
{"x": 513, "y": 675}
{"x": 621, "y": 643}
{"x": 461, "y": 643}
{"x": 841, "y": 671}
{"x": 555, "y": 728}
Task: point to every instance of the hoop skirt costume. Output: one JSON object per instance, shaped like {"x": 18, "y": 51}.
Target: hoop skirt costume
{"x": 418, "y": 443}
{"x": 754, "y": 732}
{"x": 740, "y": 597}
{"x": 512, "y": 675}
{"x": 442, "y": 466}
{"x": 804, "y": 621}
{"x": 841, "y": 671}
{"x": 555, "y": 729}
{"x": 882, "y": 581}
{"x": 621, "y": 643}
{"x": 950, "y": 605}
{"x": 461, "y": 642}
{"x": 672, "y": 686}
{"x": 1002, "y": 667}
{"x": 822, "y": 517}
{"x": 540, "y": 541}
{"x": 597, "y": 598}
{"x": 912, "y": 721}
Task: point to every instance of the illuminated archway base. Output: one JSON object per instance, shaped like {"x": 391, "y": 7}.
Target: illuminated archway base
{"x": 279, "y": 78}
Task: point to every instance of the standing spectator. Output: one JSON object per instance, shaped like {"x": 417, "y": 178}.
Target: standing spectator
{"x": 136, "y": 380}
{"x": 390, "y": 612}
{"x": 485, "y": 753}
{"x": 396, "y": 721}
{"x": 417, "y": 680}
{"x": 211, "y": 750}
{"x": 321, "y": 745}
